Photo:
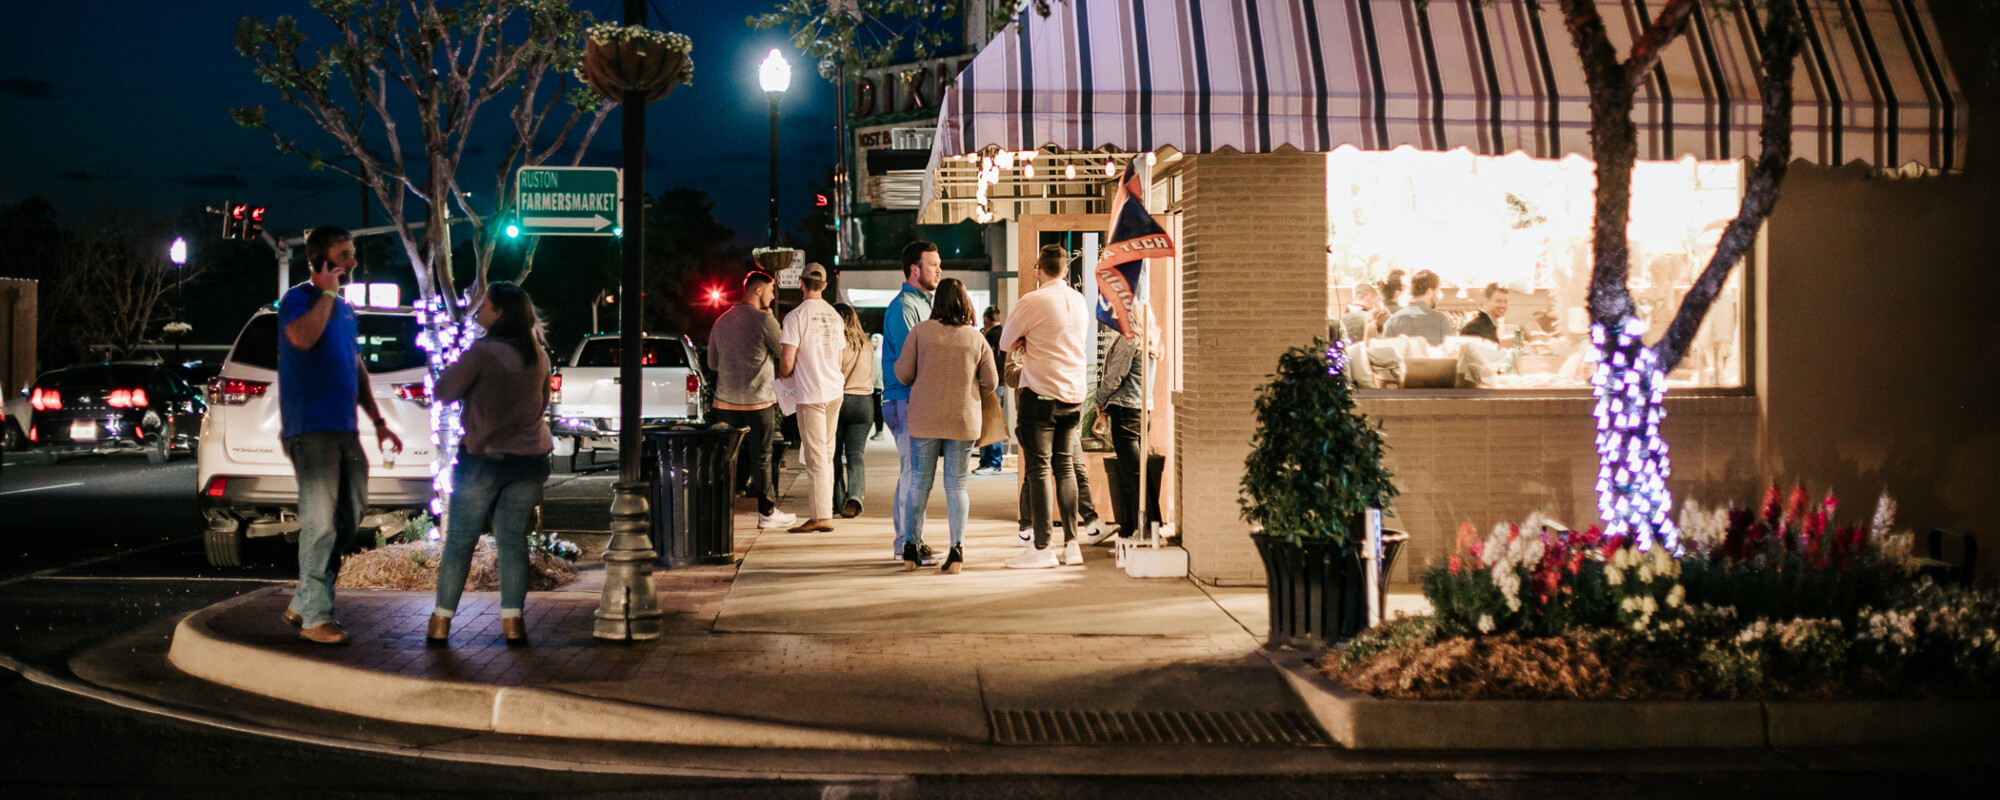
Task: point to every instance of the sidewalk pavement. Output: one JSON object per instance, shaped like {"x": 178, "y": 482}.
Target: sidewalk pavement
{"x": 808, "y": 641}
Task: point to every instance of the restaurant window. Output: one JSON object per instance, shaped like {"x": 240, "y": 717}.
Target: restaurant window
{"x": 1521, "y": 226}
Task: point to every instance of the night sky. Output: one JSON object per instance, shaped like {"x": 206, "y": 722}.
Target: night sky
{"x": 125, "y": 104}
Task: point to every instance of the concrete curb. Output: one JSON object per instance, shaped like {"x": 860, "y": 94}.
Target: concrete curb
{"x": 197, "y": 651}
{"x": 1361, "y": 722}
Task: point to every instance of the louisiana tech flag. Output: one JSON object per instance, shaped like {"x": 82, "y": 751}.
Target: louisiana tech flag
{"x": 1121, "y": 268}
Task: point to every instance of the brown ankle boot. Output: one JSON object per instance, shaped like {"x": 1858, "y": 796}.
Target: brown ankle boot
{"x": 439, "y": 629}
{"x": 515, "y": 629}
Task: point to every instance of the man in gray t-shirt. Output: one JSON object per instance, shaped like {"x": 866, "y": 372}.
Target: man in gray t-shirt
{"x": 743, "y": 351}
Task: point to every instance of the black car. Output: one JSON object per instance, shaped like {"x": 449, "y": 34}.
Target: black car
{"x": 197, "y": 373}
{"x": 113, "y": 407}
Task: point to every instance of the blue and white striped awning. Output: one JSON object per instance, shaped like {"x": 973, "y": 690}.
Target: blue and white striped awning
{"x": 1199, "y": 76}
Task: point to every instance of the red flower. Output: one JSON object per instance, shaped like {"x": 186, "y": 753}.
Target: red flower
{"x": 1795, "y": 506}
{"x": 1771, "y": 497}
{"x": 1454, "y": 563}
{"x": 1467, "y": 536}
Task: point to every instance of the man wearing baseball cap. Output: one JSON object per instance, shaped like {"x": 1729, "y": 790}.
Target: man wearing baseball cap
{"x": 813, "y": 339}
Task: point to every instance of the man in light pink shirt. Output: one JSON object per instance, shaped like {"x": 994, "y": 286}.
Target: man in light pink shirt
{"x": 1048, "y": 330}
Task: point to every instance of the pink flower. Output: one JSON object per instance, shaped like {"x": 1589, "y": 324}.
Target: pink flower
{"x": 1454, "y": 564}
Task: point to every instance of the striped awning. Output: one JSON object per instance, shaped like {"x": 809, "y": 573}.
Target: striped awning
{"x": 1198, "y": 76}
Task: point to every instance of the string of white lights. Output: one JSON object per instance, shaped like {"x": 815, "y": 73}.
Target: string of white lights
{"x": 1631, "y": 392}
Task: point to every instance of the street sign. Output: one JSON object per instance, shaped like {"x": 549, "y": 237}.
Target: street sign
{"x": 568, "y": 201}
{"x": 788, "y": 278}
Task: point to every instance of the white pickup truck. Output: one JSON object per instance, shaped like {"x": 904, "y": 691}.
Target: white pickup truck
{"x": 584, "y": 393}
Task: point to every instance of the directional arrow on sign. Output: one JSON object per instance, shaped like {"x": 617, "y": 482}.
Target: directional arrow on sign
{"x": 596, "y": 222}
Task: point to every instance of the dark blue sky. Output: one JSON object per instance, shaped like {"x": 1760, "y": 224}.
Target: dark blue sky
{"x": 126, "y": 104}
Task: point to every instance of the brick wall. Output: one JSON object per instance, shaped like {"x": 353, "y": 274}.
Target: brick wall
{"x": 1254, "y": 283}
{"x": 1495, "y": 459}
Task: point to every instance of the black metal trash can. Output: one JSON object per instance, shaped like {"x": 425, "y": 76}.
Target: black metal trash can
{"x": 692, "y": 472}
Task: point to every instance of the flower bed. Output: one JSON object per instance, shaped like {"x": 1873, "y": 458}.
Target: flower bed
{"x": 1778, "y": 603}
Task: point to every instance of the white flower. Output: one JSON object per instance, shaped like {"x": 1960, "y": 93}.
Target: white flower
{"x": 1613, "y": 575}
{"x": 1645, "y": 573}
{"x": 1486, "y": 623}
{"x": 1675, "y": 597}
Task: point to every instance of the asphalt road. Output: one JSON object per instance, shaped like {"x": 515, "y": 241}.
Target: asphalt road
{"x": 103, "y": 554}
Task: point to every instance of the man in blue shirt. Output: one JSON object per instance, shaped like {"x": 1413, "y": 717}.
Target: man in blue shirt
{"x": 922, "y": 269}
{"x": 320, "y": 381}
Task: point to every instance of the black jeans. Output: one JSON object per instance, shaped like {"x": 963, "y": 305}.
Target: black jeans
{"x": 753, "y": 461}
{"x": 1047, "y": 432}
{"x": 1125, "y": 443}
{"x": 850, "y": 438}
{"x": 1086, "y": 508}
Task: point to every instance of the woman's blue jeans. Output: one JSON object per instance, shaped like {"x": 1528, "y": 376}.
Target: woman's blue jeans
{"x": 957, "y": 502}
{"x": 504, "y": 489}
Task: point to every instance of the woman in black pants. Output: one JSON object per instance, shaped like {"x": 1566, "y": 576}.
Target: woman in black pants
{"x": 1120, "y": 396}
{"x": 857, "y": 415}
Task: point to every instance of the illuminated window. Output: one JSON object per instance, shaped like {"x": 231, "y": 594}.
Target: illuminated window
{"x": 1522, "y": 225}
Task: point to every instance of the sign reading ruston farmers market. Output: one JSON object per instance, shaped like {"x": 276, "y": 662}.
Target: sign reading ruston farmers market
{"x": 568, "y": 201}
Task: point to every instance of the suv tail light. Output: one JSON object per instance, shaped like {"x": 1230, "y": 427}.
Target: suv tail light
{"x": 45, "y": 399}
{"x": 694, "y": 384}
{"x": 127, "y": 398}
{"x": 216, "y": 486}
{"x": 235, "y": 391}
{"x": 555, "y": 389}
{"x": 415, "y": 393}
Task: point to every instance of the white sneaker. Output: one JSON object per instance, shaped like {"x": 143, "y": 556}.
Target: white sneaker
{"x": 1072, "y": 554}
{"x": 1098, "y": 531}
{"x": 1026, "y": 539}
{"x": 777, "y": 519}
{"x": 1034, "y": 559}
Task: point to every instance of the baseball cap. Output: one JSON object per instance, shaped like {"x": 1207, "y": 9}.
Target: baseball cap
{"x": 815, "y": 271}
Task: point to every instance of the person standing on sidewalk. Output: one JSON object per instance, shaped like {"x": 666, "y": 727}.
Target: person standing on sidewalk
{"x": 949, "y": 368}
{"x": 1047, "y": 331}
{"x": 857, "y": 414}
{"x": 813, "y": 341}
{"x": 1120, "y": 394}
{"x": 922, "y": 269}
{"x": 991, "y": 456}
{"x": 320, "y": 382}
{"x": 503, "y": 459}
{"x": 743, "y": 351}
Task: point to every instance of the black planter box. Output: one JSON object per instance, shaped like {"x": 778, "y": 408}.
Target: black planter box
{"x": 1315, "y": 590}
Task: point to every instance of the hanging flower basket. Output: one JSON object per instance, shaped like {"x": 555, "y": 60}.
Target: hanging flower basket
{"x": 620, "y": 59}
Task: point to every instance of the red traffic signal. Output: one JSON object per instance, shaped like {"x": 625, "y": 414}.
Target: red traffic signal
{"x": 254, "y": 226}
{"x": 819, "y": 201}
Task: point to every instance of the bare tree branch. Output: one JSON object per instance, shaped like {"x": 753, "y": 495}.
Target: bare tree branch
{"x": 1780, "y": 51}
{"x": 1671, "y": 22}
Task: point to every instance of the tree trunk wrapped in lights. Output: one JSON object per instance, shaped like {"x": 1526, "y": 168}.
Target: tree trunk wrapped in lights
{"x": 1630, "y": 380}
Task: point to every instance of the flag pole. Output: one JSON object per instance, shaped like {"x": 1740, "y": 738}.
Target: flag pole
{"x": 1145, "y": 296}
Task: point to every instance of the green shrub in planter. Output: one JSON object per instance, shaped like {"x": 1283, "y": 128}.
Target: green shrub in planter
{"x": 1315, "y": 468}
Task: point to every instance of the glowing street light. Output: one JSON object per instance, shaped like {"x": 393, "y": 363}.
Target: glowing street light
{"x": 775, "y": 76}
{"x": 178, "y": 252}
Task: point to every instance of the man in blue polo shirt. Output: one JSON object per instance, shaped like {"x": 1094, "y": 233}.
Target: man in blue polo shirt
{"x": 320, "y": 381}
{"x": 922, "y": 269}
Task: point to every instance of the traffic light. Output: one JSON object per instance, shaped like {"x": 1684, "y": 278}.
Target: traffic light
{"x": 254, "y": 226}
{"x": 237, "y": 224}
{"x": 819, "y": 201}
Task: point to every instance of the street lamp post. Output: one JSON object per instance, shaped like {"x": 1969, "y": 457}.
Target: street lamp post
{"x": 604, "y": 298}
{"x": 178, "y": 253}
{"x": 775, "y": 75}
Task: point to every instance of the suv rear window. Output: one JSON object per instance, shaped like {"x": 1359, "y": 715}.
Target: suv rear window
{"x": 659, "y": 353}
{"x": 99, "y": 375}
{"x": 388, "y": 343}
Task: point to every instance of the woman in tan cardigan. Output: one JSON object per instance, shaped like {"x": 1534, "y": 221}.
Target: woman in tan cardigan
{"x": 948, "y": 367}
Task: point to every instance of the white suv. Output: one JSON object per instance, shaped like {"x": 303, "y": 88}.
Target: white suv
{"x": 246, "y": 483}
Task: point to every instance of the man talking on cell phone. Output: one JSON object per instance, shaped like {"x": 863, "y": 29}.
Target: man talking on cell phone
{"x": 320, "y": 382}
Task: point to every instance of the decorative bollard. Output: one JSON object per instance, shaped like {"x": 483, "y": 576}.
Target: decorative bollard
{"x": 629, "y": 609}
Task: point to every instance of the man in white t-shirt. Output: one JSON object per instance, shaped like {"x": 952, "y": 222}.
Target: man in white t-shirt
{"x": 811, "y": 343}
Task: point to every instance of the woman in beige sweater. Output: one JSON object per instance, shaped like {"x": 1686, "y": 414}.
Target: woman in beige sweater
{"x": 948, "y": 367}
